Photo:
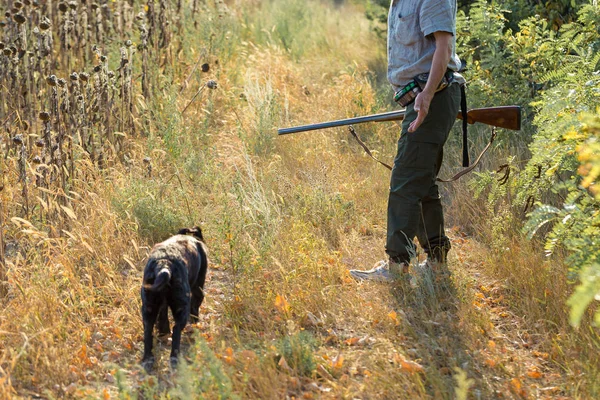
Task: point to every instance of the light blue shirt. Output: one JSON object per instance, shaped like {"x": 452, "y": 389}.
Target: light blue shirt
{"x": 411, "y": 24}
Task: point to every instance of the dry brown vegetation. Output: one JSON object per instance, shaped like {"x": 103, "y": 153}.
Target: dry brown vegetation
{"x": 125, "y": 121}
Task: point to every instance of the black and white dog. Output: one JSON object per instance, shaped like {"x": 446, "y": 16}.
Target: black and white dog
{"x": 174, "y": 278}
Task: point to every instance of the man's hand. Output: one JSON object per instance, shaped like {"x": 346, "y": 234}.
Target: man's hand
{"x": 422, "y": 102}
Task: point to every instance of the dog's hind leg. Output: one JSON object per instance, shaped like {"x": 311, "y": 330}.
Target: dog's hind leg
{"x": 163, "y": 320}
{"x": 197, "y": 297}
{"x": 180, "y": 316}
{"x": 149, "y": 317}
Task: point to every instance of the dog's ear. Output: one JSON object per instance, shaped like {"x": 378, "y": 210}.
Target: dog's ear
{"x": 198, "y": 233}
{"x": 195, "y": 231}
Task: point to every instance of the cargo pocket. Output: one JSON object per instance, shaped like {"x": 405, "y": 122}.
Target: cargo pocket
{"x": 426, "y": 155}
{"x": 416, "y": 155}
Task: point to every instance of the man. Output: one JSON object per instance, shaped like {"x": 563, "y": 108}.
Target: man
{"x": 421, "y": 39}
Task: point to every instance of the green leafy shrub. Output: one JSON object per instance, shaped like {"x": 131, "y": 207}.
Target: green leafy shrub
{"x": 205, "y": 378}
{"x": 562, "y": 170}
{"x": 554, "y": 72}
{"x": 154, "y": 206}
{"x": 297, "y": 350}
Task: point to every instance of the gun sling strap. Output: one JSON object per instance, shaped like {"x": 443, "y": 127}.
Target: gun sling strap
{"x": 404, "y": 99}
{"x": 463, "y": 110}
{"x": 453, "y": 178}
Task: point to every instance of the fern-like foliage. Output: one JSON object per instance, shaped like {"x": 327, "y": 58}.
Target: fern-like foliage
{"x": 540, "y": 217}
{"x": 555, "y": 70}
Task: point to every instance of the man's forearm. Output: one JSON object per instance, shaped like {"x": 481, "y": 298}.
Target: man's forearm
{"x": 441, "y": 58}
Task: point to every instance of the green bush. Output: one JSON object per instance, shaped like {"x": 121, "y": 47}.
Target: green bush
{"x": 555, "y": 73}
{"x": 155, "y": 206}
{"x": 297, "y": 350}
{"x": 205, "y": 378}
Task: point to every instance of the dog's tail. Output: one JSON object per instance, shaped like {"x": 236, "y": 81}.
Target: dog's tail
{"x": 195, "y": 231}
{"x": 155, "y": 283}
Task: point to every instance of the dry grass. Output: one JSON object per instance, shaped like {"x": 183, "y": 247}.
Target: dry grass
{"x": 284, "y": 218}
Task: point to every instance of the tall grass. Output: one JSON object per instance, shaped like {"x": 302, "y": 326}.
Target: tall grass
{"x": 284, "y": 218}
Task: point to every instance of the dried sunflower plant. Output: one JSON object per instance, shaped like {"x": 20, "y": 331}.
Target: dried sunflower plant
{"x": 78, "y": 83}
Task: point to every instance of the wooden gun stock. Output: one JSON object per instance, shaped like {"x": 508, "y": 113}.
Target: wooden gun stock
{"x": 508, "y": 117}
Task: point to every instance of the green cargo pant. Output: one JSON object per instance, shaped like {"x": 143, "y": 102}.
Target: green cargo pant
{"x": 414, "y": 205}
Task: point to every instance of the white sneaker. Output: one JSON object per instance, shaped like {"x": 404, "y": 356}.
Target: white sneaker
{"x": 383, "y": 271}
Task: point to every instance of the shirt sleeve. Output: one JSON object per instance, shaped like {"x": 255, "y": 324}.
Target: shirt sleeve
{"x": 438, "y": 15}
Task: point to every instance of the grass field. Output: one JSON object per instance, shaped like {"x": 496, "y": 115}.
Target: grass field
{"x": 284, "y": 219}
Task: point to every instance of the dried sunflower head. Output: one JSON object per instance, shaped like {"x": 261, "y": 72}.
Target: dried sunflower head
{"x": 44, "y": 116}
{"x": 19, "y": 19}
{"x": 45, "y": 24}
{"x": 18, "y": 139}
{"x": 52, "y": 80}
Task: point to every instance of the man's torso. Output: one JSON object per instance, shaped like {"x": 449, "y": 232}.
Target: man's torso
{"x": 411, "y": 44}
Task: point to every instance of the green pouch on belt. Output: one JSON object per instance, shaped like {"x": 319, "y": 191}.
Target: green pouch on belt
{"x": 408, "y": 93}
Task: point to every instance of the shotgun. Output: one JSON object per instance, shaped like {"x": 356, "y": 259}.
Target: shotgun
{"x": 508, "y": 117}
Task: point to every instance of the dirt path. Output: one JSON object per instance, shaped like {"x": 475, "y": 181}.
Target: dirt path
{"x": 506, "y": 354}
{"x": 460, "y": 324}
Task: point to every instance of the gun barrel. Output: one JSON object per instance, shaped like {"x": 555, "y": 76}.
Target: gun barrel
{"x": 388, "y": 116}
{"x": 508, "y": 117}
